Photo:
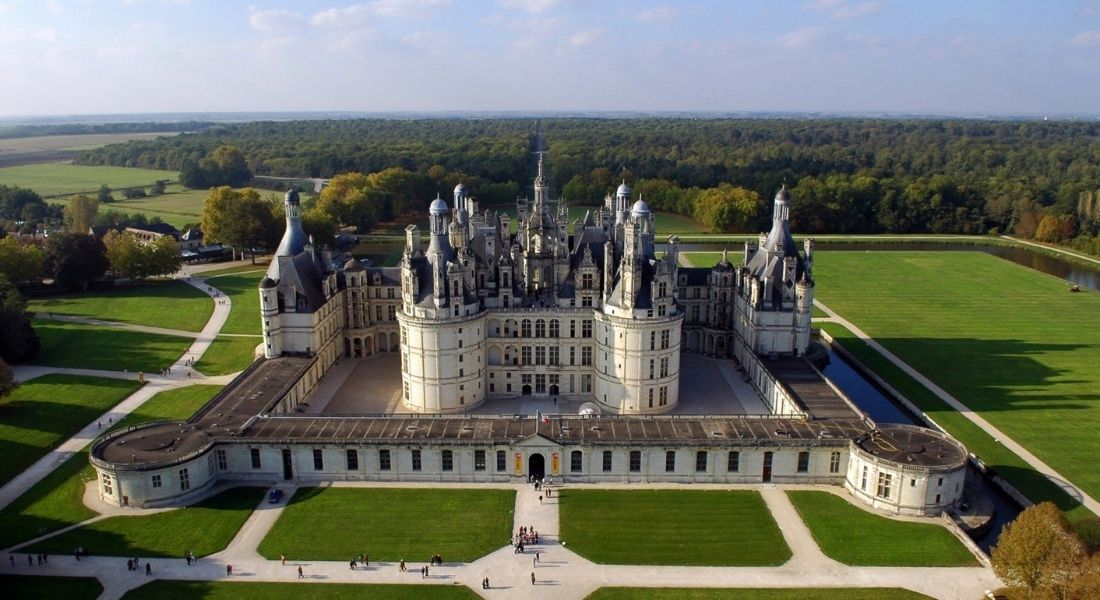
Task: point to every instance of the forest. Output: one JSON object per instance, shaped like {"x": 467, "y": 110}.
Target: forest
{"x": 1036, "y": 179}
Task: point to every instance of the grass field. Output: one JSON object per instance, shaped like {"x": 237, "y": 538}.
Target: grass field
{"x": 169, "y": 304}
{"x": 55, "y": 502}
{"x": 30, "y": 587}
{"x": 178, "y": 206}
{"x": 54, "y": 179}
{"x": 204, "y": 528}
{"x": 47, "y": 410}
{"x": 96, "y": 347}
{"x": 671, "y": 527}
{"x": 1007, "y": 341}
{"x": 227, "y": 354}
{"x": 259, "y": 269}
{"x": 229, "y": 590}
{"x": 244, "y": 291}
{"x": 612, "y": 593}
{"x": 391, "y": 524}
{"x": 854, "y": 536}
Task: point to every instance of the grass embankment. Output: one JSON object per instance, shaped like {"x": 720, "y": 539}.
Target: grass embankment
{"x": 231, "y": 590}
{"x": 168, "y": 304}
{"x": 45, "y": 411}
{"x": 53, "y": 179}
{"x": 55, "y": 501}
{"x": 259, "y": 268}
{"x": 618, "y": 593}
{"x": 671, "y": 527}
{"x": 856, "y": 537}
{"x": 203, "y": 528}
{"x": 1003, "y": 339}
{"x": 102, "y": 347}
{"x": 30, "y": 587}
{"x": 391, "y": 524}
{"x": 229, "y": 354}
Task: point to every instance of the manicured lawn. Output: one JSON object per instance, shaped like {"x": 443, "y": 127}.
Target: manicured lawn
{"x": 244, "y": 292}
{"x": 391, "y": 524}
{"x": 30, "y": 587}
{"x": 1011, "y": 343}
{"x": 101, "y": 347}
{"x": 614, "y": 593}
{"x": 856, "y": 537}
{"x": 203, "y": 528}
{"x": 177, "y": 404}
{"x": 168, "y": 304}
{"x": 1005, "y": 462}
{"x": 671, "y": 527}
{"x": 49, "y": 179}
{"x": 227, "y": 354}
{"x": 45, "y": 411}
{"x": 709, "y": 259}
{"x": 259, "y": 268}
{"x": 229, "y": 590}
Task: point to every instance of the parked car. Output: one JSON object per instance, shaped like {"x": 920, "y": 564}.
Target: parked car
{"x": 274, "y": 496}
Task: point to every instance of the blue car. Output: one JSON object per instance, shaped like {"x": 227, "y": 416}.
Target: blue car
{"x": 274, "y": 496}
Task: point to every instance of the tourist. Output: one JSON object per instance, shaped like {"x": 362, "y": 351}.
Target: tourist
{"x": 129, "y": 564}
{"x": 282, "y": 559}
{"x": 485, "y": 583}
{"x": 401, "y": 566}
{"x": 301, "y": 575}
{"x": 148, "y": 570}
{"x": 11, "y": 557}
{"x": 30, "y": 560}
{"x": 228, "y": 570}
{"x": 540, "y": 499}
{"x": 532, "y": 578}
{"x": 352, "y": 564}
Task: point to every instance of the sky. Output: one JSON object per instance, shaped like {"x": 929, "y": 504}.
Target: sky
{"x": 997, "y": 57}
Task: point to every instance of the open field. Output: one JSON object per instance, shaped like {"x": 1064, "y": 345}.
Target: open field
{"x": 30, "y": 587}
{"x": 244, "y": 291}
{"x": 391, "y": 524}
{"x": 178, "y": 206}
{"x": 55, "y": 148}
{"x": 671, "y": 527}
{"x": 228, "y": 354}
{"x": 1007, "y": 341}
{"x": 57, "y": 179}
{"x": 45, "y": 411}
{"x": 203, "y": 528}
{"x": 230, "y": 590}
{"x": 259, "y": 269}
{"x": 170, "y": 304}
{"x": 856, "y": 537}
{"x": 94, "y": 347}
{"x": 611, "y": 593}
{"x": 55, "y": 502}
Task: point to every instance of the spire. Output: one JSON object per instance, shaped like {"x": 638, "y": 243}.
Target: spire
{"x": 294, "y": 238}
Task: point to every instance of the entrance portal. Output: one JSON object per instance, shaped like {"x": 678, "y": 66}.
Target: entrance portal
{"x": 288, "y": 465}
{"x": 536, "y": 466}
{"x": 526, "y": 390}
{"x": 766, "y": 476}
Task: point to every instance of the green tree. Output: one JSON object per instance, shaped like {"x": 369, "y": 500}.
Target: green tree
{"x": 1037, "y": 554}
{"x": 727, "y": 208}
{"x": 158, "y": 188}
{"x": 232, "y": 168}
{"x": 20, "y": 262}
{"x": 18, "y": 341}
{"x": 7, "y": 379}
{"x": 163, "y": 257}
{"x": 80, "y": 213}
{"x": 124, "y": 254}
{"x": 14, "y": 201}
{"x": 239, "y": 219}
{"x": 75, "y": 259}
{"x": 104, "y": 194}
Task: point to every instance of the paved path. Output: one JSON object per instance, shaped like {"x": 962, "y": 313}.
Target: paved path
{"x": 1057, "y": 249}
{"x": 154, "y": 385}
{"x": 998, "y": 435}
{"x": 559, "y": 572}
{"x": 118, "y": 325}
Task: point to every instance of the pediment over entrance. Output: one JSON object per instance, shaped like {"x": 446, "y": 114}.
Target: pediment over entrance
{"x": 537, "y": 440}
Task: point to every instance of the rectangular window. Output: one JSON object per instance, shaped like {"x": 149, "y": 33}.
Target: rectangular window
{"x": 572, "y": 329}
{"x": 652, "y": 340}
{"x": 652, "y": 367}
{"x": 670, "y": 461}
{"x": 416, "y": 464}
{"x": 525, "y": 352}
{"x": 554, "y": 356}
{"x": 650, "y": 397}
{"x": 353, "y": 460}
{"x": 733, "y": 462}
{"x": 834, "y": 462}
{"x": 664, "y": 395}
{"x": 255, "y": 452}
{"x": 185, "y": 480}
{"x": 863, "y": 479}
{"x": 156, "y": 481}
{"x": 664, "y": 367}
{"x": 664, "y": 339}
{"x": 448, "y": 460}
{"x": 803, "y": 462}
{"x": 502, "y": 461}
{"x": 572, "y": 356}
{"x": 107, "y": 487}
{"x": 540, "y": 355}
{"x": 392, "y": 313}
{"x": 378, "y": 312}
{"x": 318, "y": 460}
{"x": 701, "y": 461}
{"x": 635, "y": 461}
{"x": 479, "y": 460}
{"x": 223, "y": 462}
{"x": 606, "y": 461}
{"x": 540, "y": 384}
{"x": 586, "y": 356}
{"x": 383, "y": 460}
{"x": 586, "y": 328}
{"x": 884, "y": 480}
{"x": 576, "y": 461}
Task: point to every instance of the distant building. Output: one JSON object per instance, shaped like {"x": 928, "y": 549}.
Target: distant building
{"x": 153, "y": 231}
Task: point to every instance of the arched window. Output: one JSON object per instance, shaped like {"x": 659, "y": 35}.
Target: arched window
{"x": 576, "y": 461}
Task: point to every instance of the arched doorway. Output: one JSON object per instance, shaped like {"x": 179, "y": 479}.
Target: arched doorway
{"x": 527, "y": 390}
{"x": 536, "y": 466}
{"x": 554, "y": 389}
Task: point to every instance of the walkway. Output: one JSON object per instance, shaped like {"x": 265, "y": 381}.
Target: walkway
{"x": 998, "y": 435}
{"x": 154, "y": 384}
{"x": 559, "y": 572}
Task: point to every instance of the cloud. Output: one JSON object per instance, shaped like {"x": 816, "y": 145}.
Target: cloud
{"x": 658, "y": 13}
{"x": 842, "y": 10}
{"x": 358, "y": 15}
{"x": 407, "y": 8}
{"x": 800, "y": 37}
{"x": 1086, "y": 38}
{"x": 147, "y": 26}
{"x": 583, "y": 38}
{"x": 273, "y": 21}
{"x": 531, "y": 6}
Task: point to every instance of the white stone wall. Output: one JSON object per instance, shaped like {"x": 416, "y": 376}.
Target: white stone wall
{"x": 443, "y": 363}
{"x": 912, "y": 490}
{"x": 139, "y": 489}
{"x": 623, "y": 352}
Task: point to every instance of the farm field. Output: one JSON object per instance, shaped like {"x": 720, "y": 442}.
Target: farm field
{"x": 612, "y": 593}
{"x": 56, "y": 148}
{"x": 58, "y": 179}
{"x": 95, "y": 347}
{"x": 169, "y": 304}
{"x": 229, "y": 590}
{"x": 46, "y": 410}
{"x": 203, "y": 528}
{"x": 178, "y": 206}
{"x": 640, "y": 527}
{"x": 853, "y": 536}
{"x": 391, "y": 524}
{"x": 1005, "y": 340}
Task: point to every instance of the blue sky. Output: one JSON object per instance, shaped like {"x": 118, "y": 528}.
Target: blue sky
{"x": 929, "y": 56}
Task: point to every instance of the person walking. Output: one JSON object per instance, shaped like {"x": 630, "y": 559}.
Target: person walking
{"x": 282, "y": 559}
{"x": 148, "y": 569}
{"x": 401, "y": 566}
{"x": 532, "y": 578}
{"x": 301, "y": 575}
{"x": 228, "y": 570}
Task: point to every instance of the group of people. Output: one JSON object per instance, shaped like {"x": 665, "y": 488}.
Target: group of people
{"x": 134, "y": 564}
{"x": 43, "y": 559}
{"x": 190, "y": 556}
{"x": 355, "y": 562}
